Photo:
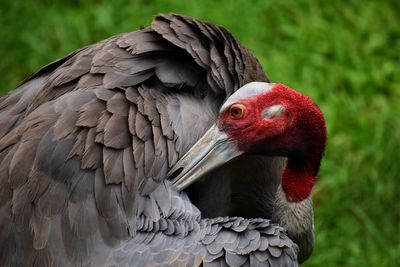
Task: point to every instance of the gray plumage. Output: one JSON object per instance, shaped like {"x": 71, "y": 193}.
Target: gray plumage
{"x": 86, "y": 143}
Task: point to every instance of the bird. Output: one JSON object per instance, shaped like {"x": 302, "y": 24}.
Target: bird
{"x": 88, "y": 147}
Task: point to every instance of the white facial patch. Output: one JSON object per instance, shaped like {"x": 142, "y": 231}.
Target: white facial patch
{"x": 247, "y": 91}
{"x": 273, "y": 111}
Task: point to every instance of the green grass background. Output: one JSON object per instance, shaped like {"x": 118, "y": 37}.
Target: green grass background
{"x": 344, "y": 54}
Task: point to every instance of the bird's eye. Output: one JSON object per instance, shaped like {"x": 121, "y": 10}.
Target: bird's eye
{"x": 237, "y": 111}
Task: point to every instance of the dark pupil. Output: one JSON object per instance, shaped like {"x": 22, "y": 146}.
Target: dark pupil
{"x": 235, "y": 111}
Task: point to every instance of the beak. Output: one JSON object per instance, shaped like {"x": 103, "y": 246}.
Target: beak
{"x": 211, "y": 151}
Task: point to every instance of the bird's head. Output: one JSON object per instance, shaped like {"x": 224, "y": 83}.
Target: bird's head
{"x": 265, "y": 119}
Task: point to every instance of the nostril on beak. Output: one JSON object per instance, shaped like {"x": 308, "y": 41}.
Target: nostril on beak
{"x": 175, "y": 173}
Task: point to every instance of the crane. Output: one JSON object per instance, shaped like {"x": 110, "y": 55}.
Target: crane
{"x": 87, "y": 144}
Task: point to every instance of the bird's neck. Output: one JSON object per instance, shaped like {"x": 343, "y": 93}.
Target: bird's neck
{"x": 299, "y": 178}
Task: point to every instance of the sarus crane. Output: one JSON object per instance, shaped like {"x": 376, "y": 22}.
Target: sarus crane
{"x": 140, "y": 150}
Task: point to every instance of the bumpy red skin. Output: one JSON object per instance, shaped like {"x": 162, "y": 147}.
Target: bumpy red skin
{"x": 298, "y": 134}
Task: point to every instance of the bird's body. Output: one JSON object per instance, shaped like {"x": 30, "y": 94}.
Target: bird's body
{"x": 86, "y": 144}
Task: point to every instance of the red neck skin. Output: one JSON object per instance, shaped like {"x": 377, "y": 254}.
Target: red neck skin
{"x": 302, "y": 168}
{"x": 298, "y": 179}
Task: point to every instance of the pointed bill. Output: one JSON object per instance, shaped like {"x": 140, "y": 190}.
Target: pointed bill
{"x": 211, "y": 151}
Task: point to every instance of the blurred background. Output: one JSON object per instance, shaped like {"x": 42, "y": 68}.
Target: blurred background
{"x": 344, "y": 54}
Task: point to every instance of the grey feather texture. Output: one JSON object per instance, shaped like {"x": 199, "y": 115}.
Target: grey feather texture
{"x": 204, "y": 241}
{"x": 86, "y": 143}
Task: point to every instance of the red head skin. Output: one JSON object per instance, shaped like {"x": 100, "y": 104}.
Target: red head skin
{"x": 298, "y": 133}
